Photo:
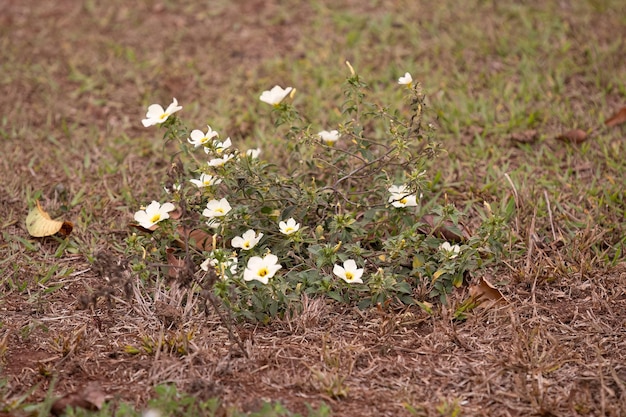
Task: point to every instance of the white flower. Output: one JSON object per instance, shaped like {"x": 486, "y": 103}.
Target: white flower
{"x": 156, "y": 114}
{"x": 230, "y": 264}
{"x": 261, "y": 269}
{"x": 400, "y": 196}
{"x": 406, "y": 80}
{"x": 289, "y": 227}
{"x": 452, "y": 251}
{"x": 349, "y": 272}
{"x": 247, "y": 241}
{"x": 205, "y": 181}
{"x": 216, "y": 208}
{"x": 218, "y": 162}
{"x": 198, "y": 138}
{"x": 151, "y": 413}
{"x": 329, "y": 137}
{"x": 174, "y": 188}
{"x": 275, "y": 95}
{"x": 153, "y": 214}
{"x": 253, "y": 153}
{"x": 219, "y": 147}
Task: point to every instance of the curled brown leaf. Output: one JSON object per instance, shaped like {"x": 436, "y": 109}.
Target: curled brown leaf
{"x": 91, "y": 398}
{"x": 448, "y": 230}
{"x": 486, "y": 294}
{"x": 525, "y": 137}
{"x": 574, "y": 136}
{"x": 617, "y": 118}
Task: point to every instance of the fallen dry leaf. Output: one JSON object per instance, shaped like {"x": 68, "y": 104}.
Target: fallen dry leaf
{"x": 449, "y": 231}
{"x": 91, "y": 398}
{"x": 486, "y": 294}
{"x": 575, "y": 136}
{"x": 175, "y": 265}
{"x": 617, "y": 119}
{"x": 176, "y": 214}
{"x": 525, "y": 137}
{"x": 198, "y": 238}
{"x": 39, "y": 223}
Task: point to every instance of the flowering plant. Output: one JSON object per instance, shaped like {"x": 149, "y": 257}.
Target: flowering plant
{"x": 357, "y": 220}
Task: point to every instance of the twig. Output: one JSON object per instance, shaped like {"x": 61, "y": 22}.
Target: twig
{"x": 531, "y": 242}
{"x": 545, "y": 194}
{"x": 508, "y": 178}
{"x": 226, "y": 320}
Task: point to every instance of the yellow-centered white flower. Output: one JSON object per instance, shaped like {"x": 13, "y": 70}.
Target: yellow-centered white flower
{"x": 219, "y": 147}
{"x": 349, "y": 272}
{"x": 406, "y": 80}
{"x": 275, "y": 95}
{"x": 218, "y": 162}
{"x": 329, "y": 138}
{"x": 205, "y": 180}
{"x": 289, "y": 227}
{"x": 198, "y": 137}
{"x": 215, "y": 208}
{"x": 247, "y": 241}
{"x": 401, "y": 197}
{"x": 451, "y": 251}
{"x": 261, "y": 269}
{"x": 154, "y": 213}
{"x": 157, "y": 115}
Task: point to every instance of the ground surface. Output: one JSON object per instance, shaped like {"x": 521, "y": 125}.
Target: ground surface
{"x": 76, "y": 77}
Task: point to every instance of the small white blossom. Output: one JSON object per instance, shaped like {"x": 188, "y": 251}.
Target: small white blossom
{"x": 157, "y": 115}
{"x": 174, "y": 188}
{"x": 400, "y": 196}
{"x": 205, "y": 180}
{"x": 219, "y": 147}
{"x": 261, "y": 269}
{"x": 349, "y": 272}
{"x": 275, "y": 95}
{"x": 154, "y": 213}
{"x": 198, "y": 137}
{"x": 289, "y": 227}
{"x": 329, "y": 138}
{"x": 215, "y": 208}
{"x": 452, "y": 251}
{"x": 230, "y": 264}
{"x": 151, "y": 413}
{"x": 253, "y": 153}
{"x": 406, "y": 80}
{"x": 247, "y": 241}
{"x": 218, "y": 162}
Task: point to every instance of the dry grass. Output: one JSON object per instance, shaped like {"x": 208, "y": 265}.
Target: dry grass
{"x": 76, "y": 79}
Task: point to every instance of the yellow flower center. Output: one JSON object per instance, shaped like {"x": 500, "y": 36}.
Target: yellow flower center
{"x": 289, "y": 229}
{"x": 155, "y": 218}
{"x": 403, "y": 201}
{"x": 262, "y": 272}
{"x": 219, "y": 210}
{"x": 246, "y": 245}
{"x": 163, "y": 116}
{"x": 349, "y": 275}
